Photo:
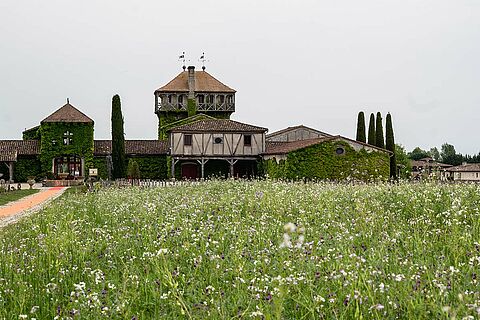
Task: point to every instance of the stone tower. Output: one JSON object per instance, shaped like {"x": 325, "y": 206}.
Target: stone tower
{"x": 189, "y": 93}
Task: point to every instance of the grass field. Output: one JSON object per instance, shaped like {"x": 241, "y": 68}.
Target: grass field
{"x": 271, "y": 250}
{"x": 6, "y": 197}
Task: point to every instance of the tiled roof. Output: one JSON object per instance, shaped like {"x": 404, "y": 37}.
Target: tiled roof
{"x": 296, "y": 127}
{"x": 68, "y": 113}
{"x": 8, "y": 148}
{"x": 468, "y": 167}
{"x": 141, "y": 147}
{"x": 276, "y": 147}
{"x": 204, "y": 82}
{"x": 217, "y": 125}
{"x": 8, "y": 156}
{"x": 428, "y": 163}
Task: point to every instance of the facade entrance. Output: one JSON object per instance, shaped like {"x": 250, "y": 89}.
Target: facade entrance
{"x": 68, "y": 167}
{"x": 189, "y": 170}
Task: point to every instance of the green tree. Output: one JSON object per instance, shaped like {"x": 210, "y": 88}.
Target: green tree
{"x": 379, "y": 141}
{"x": 390, "y": 145}
{"x": 434, "y": 153}
{"x": 361, "y": 136}
{"x": 417, "y": 154}
{"x": 118, "y": 139}
{"x": 403, "y": 161}
{"x": 133, "y": 170}
{"x": 371, "y": 130}
{"x": 448, "y": 155}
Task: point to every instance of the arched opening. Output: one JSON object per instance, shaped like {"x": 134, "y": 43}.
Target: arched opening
{"x": 67, "y": 167}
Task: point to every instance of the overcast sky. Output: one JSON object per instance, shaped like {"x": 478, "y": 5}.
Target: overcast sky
{"x": 315, "y": 62}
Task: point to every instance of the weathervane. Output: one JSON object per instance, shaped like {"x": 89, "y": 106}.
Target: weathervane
{"x": 182, "y": 58}
{"x": 202, "y": 59}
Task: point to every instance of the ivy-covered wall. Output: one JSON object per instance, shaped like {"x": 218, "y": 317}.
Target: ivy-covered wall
{"x": 31, "y": 134}
{"x": 152, "y": 167}
{"x": 26, "y": 166}
{"x": 322, "y": 162}
{"x": 52, "y": 145}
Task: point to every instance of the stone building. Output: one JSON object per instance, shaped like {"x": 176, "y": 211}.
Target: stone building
{"x": 196, "y": 139}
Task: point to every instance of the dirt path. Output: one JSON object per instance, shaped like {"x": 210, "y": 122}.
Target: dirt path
{"x": 13, "y": 211}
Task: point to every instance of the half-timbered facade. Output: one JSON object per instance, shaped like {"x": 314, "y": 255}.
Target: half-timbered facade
{"x": 236, "y": 144}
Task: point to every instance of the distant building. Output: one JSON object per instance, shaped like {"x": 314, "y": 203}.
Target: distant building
{"x": 427, "y": 168}
{"x": 465, "y": 172}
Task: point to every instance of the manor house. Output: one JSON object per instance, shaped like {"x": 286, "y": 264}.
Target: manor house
{"x": 196, "y": 139}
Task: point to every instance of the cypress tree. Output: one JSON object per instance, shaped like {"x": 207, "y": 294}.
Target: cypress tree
{"x": 361, "y": 127}
{"x": 390, "y": 146}
{"x": 118, "y": 139}
{"x": 371, "y": 130}
{"x": 379, "y": 141}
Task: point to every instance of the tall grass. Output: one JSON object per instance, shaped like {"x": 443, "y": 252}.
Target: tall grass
{"x": 234, "y": 249}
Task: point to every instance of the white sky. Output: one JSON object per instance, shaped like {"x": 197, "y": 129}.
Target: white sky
{"x": 315, "y": 62}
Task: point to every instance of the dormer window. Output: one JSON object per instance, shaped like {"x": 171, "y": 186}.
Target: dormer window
{"x": 67, "y": 138}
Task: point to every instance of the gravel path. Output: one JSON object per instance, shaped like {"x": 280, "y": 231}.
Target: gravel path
{"x": 14, "y": 211}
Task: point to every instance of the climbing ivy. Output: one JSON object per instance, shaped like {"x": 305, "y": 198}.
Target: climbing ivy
{"x": 52, "y": 145}
{"x": 31, "y": 134}
{"x": 321, "y": 161}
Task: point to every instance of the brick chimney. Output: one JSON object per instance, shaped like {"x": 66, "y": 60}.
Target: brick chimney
{"x": 191, "y": 82}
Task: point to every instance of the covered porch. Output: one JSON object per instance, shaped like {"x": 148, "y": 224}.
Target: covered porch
{"x": 192, "y": 168}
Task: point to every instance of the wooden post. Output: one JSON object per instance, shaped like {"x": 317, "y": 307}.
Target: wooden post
{"x": 173, "y": 168}
{"x": 10, "y": 171}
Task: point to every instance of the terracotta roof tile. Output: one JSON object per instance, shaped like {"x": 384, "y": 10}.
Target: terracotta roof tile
{"x": 68, "y": 113}
{"x": 217, "y": 125}
{"x": 204, "y": 82}
{"x": 8, "y": 156}
{"x": 141, "y": 147}
{"x": 19, "y": 147}
{"x": 276, "y": 147}
{"x": 468, "y": 167}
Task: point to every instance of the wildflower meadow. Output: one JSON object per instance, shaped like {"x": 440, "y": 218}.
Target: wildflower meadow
{"x": 247, "y": 250}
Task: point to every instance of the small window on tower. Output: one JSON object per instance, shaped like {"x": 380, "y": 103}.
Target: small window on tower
{"x": 247, "y": 140}
{"x": 67, "y": 138}
{"x": 187, "y": 140}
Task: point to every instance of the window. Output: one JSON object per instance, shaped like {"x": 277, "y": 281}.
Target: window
{"x": 247, "y": 140}
{"x": 187, "y": 140}
{"x": 220, "y": 99}
{"x": 180, "y": 99}
{"x": 210, "y": 98}
{"x": 67, "y": 138}
{"x": 218, "y": 140}
{"x": 170, "y": 98}
{"x": 229, "y": 99}
{"x": 201, "y": 98}
{"x": 339, "y": 151}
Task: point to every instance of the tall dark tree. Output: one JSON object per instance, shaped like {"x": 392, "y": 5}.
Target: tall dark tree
{"x": 361, "y": 136}
{"x": 118, "y": 139}
{"x": 371, "y": 130}
{"x": 379, "y": 141}
{"x": 390, "y": 145}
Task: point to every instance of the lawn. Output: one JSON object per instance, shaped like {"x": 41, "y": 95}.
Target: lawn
{"x": 253, "y": 250}
{"x": 6, "y": 197}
